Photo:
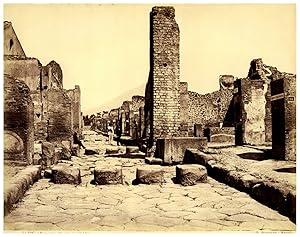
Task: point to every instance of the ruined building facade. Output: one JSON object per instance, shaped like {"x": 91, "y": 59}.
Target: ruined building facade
{"x": 256, "y": 110}
{"x": 55, "y": 112}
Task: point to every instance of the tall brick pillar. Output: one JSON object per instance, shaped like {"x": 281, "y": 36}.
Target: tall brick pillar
{"x": 164, "y": 72}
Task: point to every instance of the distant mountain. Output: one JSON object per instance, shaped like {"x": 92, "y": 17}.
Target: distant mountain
{"x": 117, "y": 101}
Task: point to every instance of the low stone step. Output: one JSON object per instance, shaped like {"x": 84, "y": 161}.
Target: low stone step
{"x": 66, "y": 174}
{"x": 104, "y": 176}
{"x": 153, "y": 161}
{"x": 149, "y": 175}
{"x": 188, "y": 175}
{"x": 132, "y": 149}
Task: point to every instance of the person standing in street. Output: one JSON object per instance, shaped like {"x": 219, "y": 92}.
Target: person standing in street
{"x": 118, "y": 133}
{"x": 110, "y": 134}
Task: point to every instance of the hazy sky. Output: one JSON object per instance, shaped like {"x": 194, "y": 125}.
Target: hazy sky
{"x": 105, "y": 48}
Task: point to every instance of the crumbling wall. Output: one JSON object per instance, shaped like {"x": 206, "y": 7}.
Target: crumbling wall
{"x": 210, "y": 109}
{"x": 165, "y": 71}
{"x": 74, "y": 95}
{"x": 135, "y": 126}
{"x": 60, "y": 116}
{"x": 184, "y": 109}
{"x": 253, "y": 101}
{"x": 259, "y": 71}
{"x": 18, "y": 121}
{"x": 25, "y": 69}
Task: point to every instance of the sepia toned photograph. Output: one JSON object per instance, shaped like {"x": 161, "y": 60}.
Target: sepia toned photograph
{"x": 149, "y": 118}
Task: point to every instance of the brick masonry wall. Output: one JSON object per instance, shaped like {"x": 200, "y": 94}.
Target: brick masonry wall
{"x": 18, "y": 120}
{"x": 164, "y": 57}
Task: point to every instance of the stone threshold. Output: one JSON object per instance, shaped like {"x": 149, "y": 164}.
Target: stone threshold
{"x": 15, "y": 189}
{"x": 275, "y": 194}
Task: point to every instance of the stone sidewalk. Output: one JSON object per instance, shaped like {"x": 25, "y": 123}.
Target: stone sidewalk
{"x": 210, "y": 206}
{"x": 272, "y": 182}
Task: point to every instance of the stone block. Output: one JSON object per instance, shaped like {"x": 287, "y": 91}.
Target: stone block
{"x": 188, "y": 175}
{"x": 66, "y": 174}
{"x": 172, "y": 150}
{"x": 48, "y": 151}
{"x": 104, "y": 176}
{"x": 132, "y": 149}
{"x": 149, "y": 175}
{"x": 112, "y": 150}
{"x": 153, "y": 161}
{"x": 75, "y": 151}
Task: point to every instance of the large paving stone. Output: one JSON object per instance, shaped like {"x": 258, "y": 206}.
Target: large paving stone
{"x": 66, "y": 174}
{"x": 104, "y": 176}
{"x": 149, "y": 175}
{"x": 190, "y": 174}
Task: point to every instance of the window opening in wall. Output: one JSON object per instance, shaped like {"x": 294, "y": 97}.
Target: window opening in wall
{"x": 11, "y": 43}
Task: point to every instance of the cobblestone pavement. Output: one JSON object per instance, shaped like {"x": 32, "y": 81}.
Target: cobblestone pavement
{"x": 210, "y": 206}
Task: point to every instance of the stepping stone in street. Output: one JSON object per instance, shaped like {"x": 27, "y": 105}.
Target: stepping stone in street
{"x": 66, "y": 174}
{"x": 112, "y": 150}
{"x": 132, "y": 149}
{"x": 188, "y": 175}
{"x": 108, "y": 175}
{"x": 153, "y": 161}
{"x": 149, "y": 175}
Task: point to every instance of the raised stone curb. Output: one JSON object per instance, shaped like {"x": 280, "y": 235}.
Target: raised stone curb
{"x": 66, "y": 174}
{"x": 188, "y": 175}
{"x": 149, "y": 175}
{"x": 16, "y": 188}
{"x": 275, "y": 195}
{"x": 104, "y": 176}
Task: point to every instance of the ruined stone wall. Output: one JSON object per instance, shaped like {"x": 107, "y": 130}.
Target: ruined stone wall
{"x": 165, "y": 71}
{"x": 210, "y": 109}
{"x": 74, "y": 95}
{"x": 60, "y": 116}
{"x": 259, "y": 71}
{"x": 135, "y": 127}
{"x": 184, "y": 109}
{"x": 253, "y": 106}
{"x": 25, "y": 69}
{"x": 11, "y": 43}
{"x": 18, "y": 121}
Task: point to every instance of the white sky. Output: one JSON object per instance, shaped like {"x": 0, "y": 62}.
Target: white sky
{"x": 105, "y": 48}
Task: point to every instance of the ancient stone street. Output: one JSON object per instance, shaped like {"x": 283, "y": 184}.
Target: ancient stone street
{"x": 210, "y": 206}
